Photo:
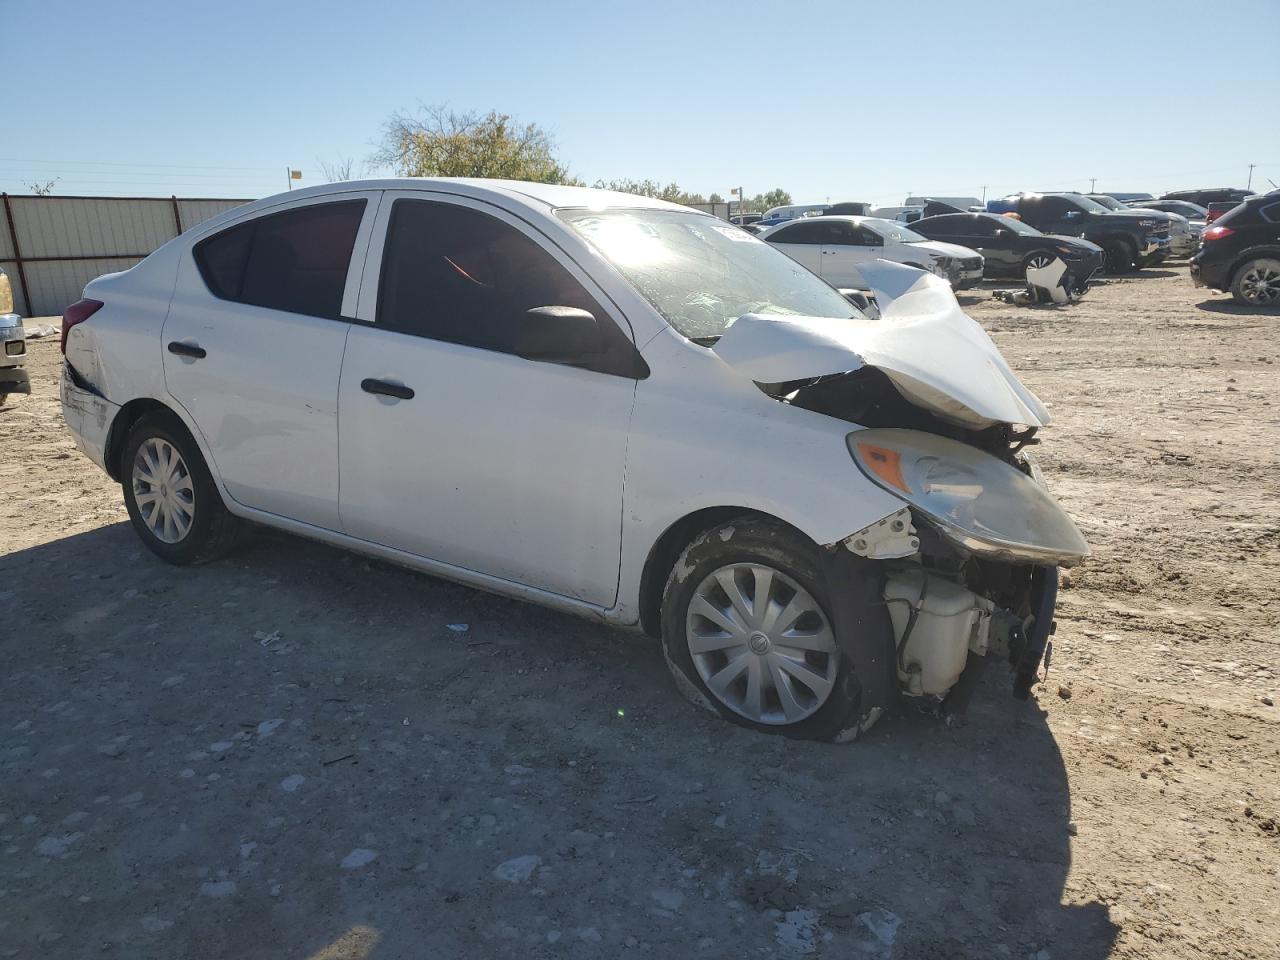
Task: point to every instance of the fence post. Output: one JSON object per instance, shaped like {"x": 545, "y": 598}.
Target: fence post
{"x": 17, "y": 256}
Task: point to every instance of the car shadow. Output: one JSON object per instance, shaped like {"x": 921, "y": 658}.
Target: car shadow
{"x": 1146, "y": 273}
{"x": 296, "y": 747}
{"x": 1237, "y": 309}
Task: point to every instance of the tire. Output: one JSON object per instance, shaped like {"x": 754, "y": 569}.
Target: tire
{"x": 1119, "y": 257}
{"x": 1037, "y": 258}
{"x": 751, "y": 675}
{"x": 160, "y": 456}
{"x": 1257, "y": 283}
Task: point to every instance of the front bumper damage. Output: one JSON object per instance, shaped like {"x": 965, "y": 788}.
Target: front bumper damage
{"x": 917, "y": 613}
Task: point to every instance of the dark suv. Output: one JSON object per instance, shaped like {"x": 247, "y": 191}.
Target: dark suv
{"x": 1241, "y": 253}
{"x": 1209, "y": 195}
{"x": 1128, "y": 240}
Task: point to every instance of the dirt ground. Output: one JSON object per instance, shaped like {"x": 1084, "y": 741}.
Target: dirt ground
{"x": 298, "y": 753}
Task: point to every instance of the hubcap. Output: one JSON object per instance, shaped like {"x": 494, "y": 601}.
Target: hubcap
{"x": 761, "y": 644}
{"x": 163, "y": 490}
{"x": 1261, "y": 284}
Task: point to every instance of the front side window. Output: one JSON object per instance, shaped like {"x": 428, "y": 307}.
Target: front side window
{"x": 455, "y": 274}
{"x": 295, "y": 260}
{"x": 700, "y": 274}
{"x": 893, "y": 231}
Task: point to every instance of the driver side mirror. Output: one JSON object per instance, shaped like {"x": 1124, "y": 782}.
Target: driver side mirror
{"x": 559, "y": 335}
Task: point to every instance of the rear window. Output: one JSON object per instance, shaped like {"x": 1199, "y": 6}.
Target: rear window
{"x": 294, "y": 261}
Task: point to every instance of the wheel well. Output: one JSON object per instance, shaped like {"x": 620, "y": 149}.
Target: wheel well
{"x": 664, "y": 553}
{"x": 1251, "y": 253}
{"x": 129, "y": 414}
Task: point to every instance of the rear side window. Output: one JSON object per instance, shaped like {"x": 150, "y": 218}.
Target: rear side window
{"x": 810, "y": 231}
{"x": 1271, "y": 212}
{"x": 294, "y": 261}
{"x": 939, "y": 227}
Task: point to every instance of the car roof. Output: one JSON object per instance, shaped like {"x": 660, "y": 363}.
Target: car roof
{"x": 551, "y": 195}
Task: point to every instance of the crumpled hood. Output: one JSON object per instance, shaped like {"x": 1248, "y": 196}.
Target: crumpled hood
{"x": 938, "y": 357}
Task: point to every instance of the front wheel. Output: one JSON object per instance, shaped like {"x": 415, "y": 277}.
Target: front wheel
{"x": 1119, "y": 256}
{"x": 1257, "y": 283}
{"x": 1038, "y": 261}
{"x": 746, "y": 630}
{"x": 172, "y": 500}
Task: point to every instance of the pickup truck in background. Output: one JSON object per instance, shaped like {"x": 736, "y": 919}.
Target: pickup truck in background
{"x": 13, "y": 346}
{"x": 1128, "y": 240}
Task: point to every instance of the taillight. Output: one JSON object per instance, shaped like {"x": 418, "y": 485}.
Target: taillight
{"x": 78, "y": 312}
{"x": 1216, "y": 233}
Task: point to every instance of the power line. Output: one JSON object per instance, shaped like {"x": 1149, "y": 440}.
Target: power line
{"x": 111, "y": 163}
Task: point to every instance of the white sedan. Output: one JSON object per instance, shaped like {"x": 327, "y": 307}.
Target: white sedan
{"x": 836, "y": 247}
{"x": 613, "y": 406}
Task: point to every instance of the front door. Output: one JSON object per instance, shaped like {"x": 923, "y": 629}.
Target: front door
{"x": 455, "y": 448}
{"x": 848, "y": 244}
{"x": 252, "y": 349}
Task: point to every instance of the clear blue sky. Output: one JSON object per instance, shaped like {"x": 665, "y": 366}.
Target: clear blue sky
{"x": 855, "y": 101}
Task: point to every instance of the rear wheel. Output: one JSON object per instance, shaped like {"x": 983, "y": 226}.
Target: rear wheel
{"x": 173, "y": 502}
{"x": 1257, "y": 283}
{"x": 745, "y": 630}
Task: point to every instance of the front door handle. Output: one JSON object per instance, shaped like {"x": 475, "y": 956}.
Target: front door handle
{"x": 192, "y": 350}
{"x": 386, "y": 388}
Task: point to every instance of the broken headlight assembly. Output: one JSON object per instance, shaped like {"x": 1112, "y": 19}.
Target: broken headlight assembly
{"x": 978, "y": 502}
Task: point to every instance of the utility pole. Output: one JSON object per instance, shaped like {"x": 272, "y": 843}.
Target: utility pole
{"x": 1249, "y": 185}
{"x": 984, "y": 194}
{"x": 1092, "y": 182}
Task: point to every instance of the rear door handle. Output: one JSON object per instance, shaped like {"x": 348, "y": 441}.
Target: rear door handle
{"x": 386, "y": 388}
{"x": 187, "y": 349}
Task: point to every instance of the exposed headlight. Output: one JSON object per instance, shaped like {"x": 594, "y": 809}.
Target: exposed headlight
{"x": 983, "y": 504}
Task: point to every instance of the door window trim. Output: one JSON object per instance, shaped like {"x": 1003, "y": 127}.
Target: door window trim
{"x": 355, "y": 266}
{"x": 366, "y": 309}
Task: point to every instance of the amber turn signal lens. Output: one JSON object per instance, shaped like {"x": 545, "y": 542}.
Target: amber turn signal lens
{"x": 885, "y": 464}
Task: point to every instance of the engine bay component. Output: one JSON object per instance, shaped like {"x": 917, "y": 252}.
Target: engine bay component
{"x": 937, "y": 623}
{"x": 887, "y": 539}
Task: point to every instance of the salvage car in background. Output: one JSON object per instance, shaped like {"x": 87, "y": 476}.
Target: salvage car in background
{"x": 835, "y": 248}
{"x": 1128, "y": 240}
{"x": 822, "y": 512}
{"x": 1183, "y": 240}
{"x": 1240, "y": 253}
{"x": 1009, "y": 247}
{"x": 13, "y": 345}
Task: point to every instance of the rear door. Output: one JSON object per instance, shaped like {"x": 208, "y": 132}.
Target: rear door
{"x": 801, "y": 241}
{"x": 454, "y": 447}
{"x": 252, "y": 349}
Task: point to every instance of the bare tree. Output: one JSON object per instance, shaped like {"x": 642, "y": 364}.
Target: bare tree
{"x": 333, "y": 171}
{"x": 42, "y": 189}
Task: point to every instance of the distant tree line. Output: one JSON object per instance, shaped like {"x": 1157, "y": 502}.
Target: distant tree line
{"x": 439, "y": 142}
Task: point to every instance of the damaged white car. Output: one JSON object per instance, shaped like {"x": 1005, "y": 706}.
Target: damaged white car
{"x": 609, "y": 405}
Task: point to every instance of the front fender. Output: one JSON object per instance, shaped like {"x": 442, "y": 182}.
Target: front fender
{"x": 704, "y": 436}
